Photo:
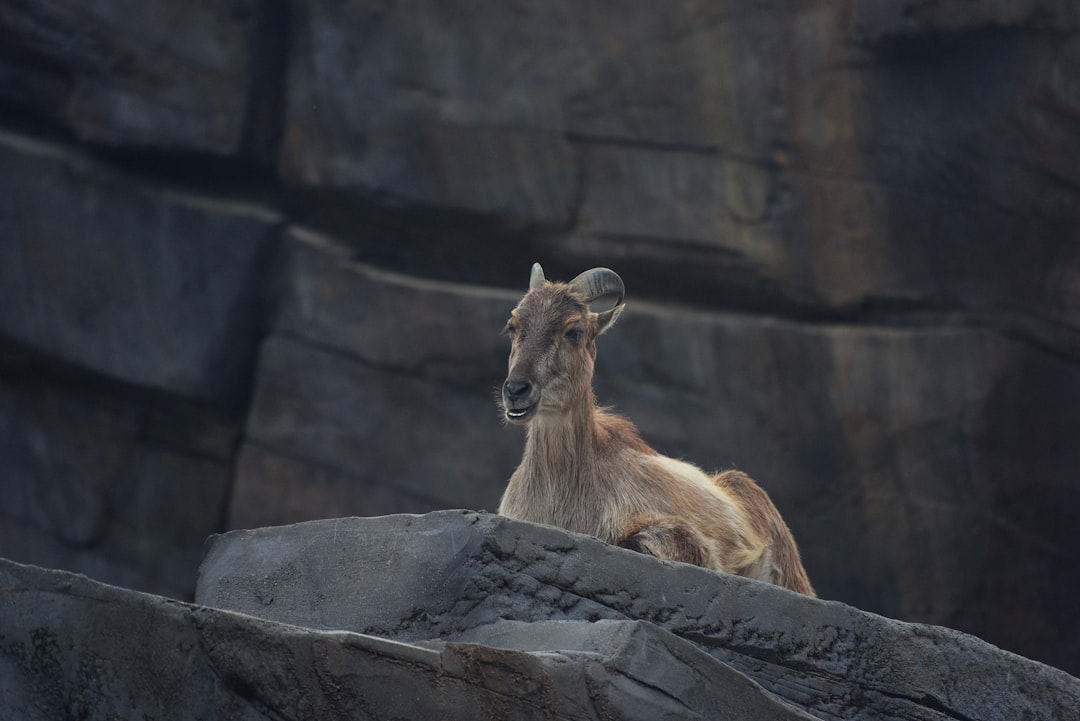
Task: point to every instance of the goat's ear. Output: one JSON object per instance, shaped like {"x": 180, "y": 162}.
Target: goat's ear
{"x": 607, "y": 319}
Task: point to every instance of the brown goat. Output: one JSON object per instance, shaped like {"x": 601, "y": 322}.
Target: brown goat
{"x": 588, "y": 470}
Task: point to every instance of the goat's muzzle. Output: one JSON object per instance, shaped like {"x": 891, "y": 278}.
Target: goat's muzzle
{"x": 518, "y": 400}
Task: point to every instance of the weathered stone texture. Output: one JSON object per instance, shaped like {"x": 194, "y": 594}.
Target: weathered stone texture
{"x": 145, "y": 286}
{"x": 867, "y": 168}
{"x": 439, "y": 119}
{"x": 168, "y": 75}
{"x": 129, "y": 316}
{"x": 367, "y": 376}
{"x": 466, "y": 615}
{"x": 463, "y": 577}
{"x": 388, "y": 320}
{"x": 72, "y": 648}
{"x": 115, "y": 488}
{"x": 329, "y": 411}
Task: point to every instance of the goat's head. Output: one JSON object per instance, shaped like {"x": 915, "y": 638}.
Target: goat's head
{"x": 553, "y": 342}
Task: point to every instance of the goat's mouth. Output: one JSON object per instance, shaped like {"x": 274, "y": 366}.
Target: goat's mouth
{"x": 519, "y": 415}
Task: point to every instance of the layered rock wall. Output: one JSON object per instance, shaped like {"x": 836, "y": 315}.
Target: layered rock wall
{"x": 255, "y": 258}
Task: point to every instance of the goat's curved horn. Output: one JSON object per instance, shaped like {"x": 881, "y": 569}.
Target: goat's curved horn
{"x": 599, "y": 282}
{"x": 536, "y": 278}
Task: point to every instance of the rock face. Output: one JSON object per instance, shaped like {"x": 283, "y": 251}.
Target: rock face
{"x": 154, "y": 74}
{"x": 461, "y": 615}
{"x": 171, "y": 310}
{"x": 256, "y": 256}
{"x": 458, "y": 576}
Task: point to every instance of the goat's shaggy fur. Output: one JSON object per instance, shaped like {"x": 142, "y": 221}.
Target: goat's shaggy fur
{"x": 587, "y": 470}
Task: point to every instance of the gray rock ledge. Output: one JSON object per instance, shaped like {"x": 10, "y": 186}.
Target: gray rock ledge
{"x": 462, "y": 615}
{"x": 460, "y": 576}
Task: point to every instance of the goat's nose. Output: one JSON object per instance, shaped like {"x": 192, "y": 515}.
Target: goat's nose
{"x": 517, "y": 389}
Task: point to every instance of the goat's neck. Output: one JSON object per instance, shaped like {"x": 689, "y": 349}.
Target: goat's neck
{"x": 562, "y": 449}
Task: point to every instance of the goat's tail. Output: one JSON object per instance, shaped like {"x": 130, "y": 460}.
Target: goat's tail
{"x": 787, "y": 568}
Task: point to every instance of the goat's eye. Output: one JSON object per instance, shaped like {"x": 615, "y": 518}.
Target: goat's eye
{"x": 509, "y": 328}
{"x": 574, "y": 335}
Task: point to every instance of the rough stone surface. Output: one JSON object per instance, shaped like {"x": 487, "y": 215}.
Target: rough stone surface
{"x": 163, "y": 74}
{"x": 117, "y": 488}
{"x": 254, "y": 257}
{"x": 363, "y": 379}
{"x": 678, "y": 143}
{"x": 460, "y": 615}
{"x": 458, "y": 576}
{"x": 146, "y": 286}
{"x": 74, "y": 648}
{"x": 448, "y": 123}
